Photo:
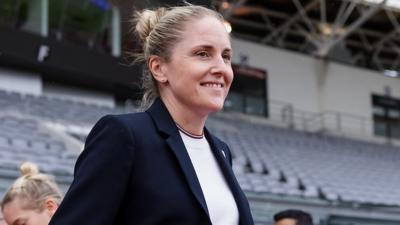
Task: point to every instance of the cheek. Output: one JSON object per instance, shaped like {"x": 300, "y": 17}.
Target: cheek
{"x": 229, "y": 79}
{"x": 41, "y": 218}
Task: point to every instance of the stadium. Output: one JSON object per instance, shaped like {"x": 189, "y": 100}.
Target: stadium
{"x": 312, "y": 117}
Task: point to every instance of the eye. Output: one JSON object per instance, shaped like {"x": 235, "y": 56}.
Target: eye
{"x": 227, "y": 57}
{"x": 203, "y": 54}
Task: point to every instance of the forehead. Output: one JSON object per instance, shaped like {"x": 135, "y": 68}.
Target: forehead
{"x": 207, "y": 30}
{"x": 14, "y": 210}
{"x": 286, "y": 221}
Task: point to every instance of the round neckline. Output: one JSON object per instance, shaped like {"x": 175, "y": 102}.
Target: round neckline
{"x": 189, "y": 134}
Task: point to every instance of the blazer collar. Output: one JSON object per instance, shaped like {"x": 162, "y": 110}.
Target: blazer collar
{"x": 162, "y": 119}
{"x": 166, "y": 125}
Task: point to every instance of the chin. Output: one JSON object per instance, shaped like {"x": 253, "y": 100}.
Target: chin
{"x": 215, "y": 106}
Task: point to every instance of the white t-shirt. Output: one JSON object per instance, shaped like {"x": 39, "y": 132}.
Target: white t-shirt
{"x": 220, "y": 202}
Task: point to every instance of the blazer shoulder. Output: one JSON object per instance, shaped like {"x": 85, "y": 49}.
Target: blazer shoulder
{"x": 129, "y": 124}
{"x": 128, "y": 117}
{"x": 130, "y": 120}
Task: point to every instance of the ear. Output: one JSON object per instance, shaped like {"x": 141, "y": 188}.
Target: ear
{"x": 157, "y": 69}
{"x": 51, "y": 206}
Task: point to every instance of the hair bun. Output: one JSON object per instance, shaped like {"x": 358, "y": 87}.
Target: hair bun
{"x": 147, "y": 20}
{"x": 28, "y": 168}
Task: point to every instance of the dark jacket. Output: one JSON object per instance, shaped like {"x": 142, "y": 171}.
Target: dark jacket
{"x": 135, "y": 170}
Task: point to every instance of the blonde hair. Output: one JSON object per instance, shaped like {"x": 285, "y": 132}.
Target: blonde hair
{"x": 158, "y": 31}
{"x": 34, "y": 187}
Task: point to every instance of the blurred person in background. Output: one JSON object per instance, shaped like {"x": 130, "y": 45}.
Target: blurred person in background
{"x": 32, "y": 199}
{"x": 162, "y": 166}
{"x": 293, "y": 217}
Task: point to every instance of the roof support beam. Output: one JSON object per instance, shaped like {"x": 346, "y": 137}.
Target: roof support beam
{"x": 364, "y": 40}
{"x": 328, "y": 45}
{"x": 342, "y": 18}
{"x": 268, "y": 22}
{"x": 304, "y": 16}
{"x": 290, "y": 21}
{"x": 378, "y": 44}
{"x": 281, "y": 15}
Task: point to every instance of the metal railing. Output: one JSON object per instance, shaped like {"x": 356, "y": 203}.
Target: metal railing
{"x": 339, "y": 122}
{"x": 324, "y": 122}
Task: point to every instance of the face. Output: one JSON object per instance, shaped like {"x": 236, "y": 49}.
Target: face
{"x": 286, "y": 222}
{"x": 199, "y": 73}
{"x": 2, "y": 221}
{"x": 15, "y": 213}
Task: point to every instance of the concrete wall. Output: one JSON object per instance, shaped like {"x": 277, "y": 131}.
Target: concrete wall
{"x": 78, "y": 95}
{"x": 315, "y": 85}
{"x": 31, "y": 83}
{"x": 291, "y": 77}
{"x": 19, "y": 81}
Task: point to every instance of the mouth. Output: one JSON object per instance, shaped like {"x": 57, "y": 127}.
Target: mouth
{"x": 212, "y": 84}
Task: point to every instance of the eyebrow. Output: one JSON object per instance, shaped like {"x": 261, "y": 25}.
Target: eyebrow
{"x": 211, "y": 47}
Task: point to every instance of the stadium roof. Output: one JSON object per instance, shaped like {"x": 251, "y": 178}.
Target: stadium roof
{"x": 359, "y": 32}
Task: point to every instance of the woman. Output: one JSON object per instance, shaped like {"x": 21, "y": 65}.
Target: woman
{"x": 162, "y": 166}
{"x": 32, "y": 199}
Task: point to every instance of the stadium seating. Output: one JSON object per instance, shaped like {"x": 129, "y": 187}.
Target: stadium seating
{"x": 266, "y": 159}
{"x": 280, "y": 161}
{"x": 53, "y": 109}
{"x": 24, "y": 140}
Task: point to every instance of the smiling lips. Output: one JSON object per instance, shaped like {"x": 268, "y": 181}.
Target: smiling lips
{"x": 212, "y": 84}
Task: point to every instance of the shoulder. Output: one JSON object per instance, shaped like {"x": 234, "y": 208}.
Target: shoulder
{"x": 121, "y": 124}
{"x": 128, "y": 120}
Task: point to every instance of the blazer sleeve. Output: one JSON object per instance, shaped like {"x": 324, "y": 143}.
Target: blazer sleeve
{"x": 101, "y": 176}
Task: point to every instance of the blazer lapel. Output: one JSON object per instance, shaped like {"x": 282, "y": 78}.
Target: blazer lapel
{"x": 220, "y": 152}
{"x": 181, "y": 154}
{"x": 166, "y": 125}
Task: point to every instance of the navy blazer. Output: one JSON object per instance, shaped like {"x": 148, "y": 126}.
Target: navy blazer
{"x": 135, "y": 170}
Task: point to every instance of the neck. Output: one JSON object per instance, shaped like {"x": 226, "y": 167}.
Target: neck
{"x": 187, "y": 118}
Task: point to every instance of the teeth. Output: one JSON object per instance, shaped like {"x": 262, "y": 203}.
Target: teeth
{"x": 213, "y": 85}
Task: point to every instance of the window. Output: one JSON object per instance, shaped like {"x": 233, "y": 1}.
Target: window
{"x": 82, "y": 22}
{"x": 248, "y": 91}
{"x": 386, "y": 115}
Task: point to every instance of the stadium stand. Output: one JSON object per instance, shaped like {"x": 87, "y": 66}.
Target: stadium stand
{"x": 54, "y": 109}
{"x": 281, "y": 161}
{"x": 36, "y": 128}
{"x": 268, "y": 160}
{"x": 25, "y": 140}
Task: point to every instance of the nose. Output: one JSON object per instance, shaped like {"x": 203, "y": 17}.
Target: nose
{"x": 220, "y": 66}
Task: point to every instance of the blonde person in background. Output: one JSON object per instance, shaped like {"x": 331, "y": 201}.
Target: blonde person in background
{"x": 32, "y": 199}
{"x": 162, "y": 166}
